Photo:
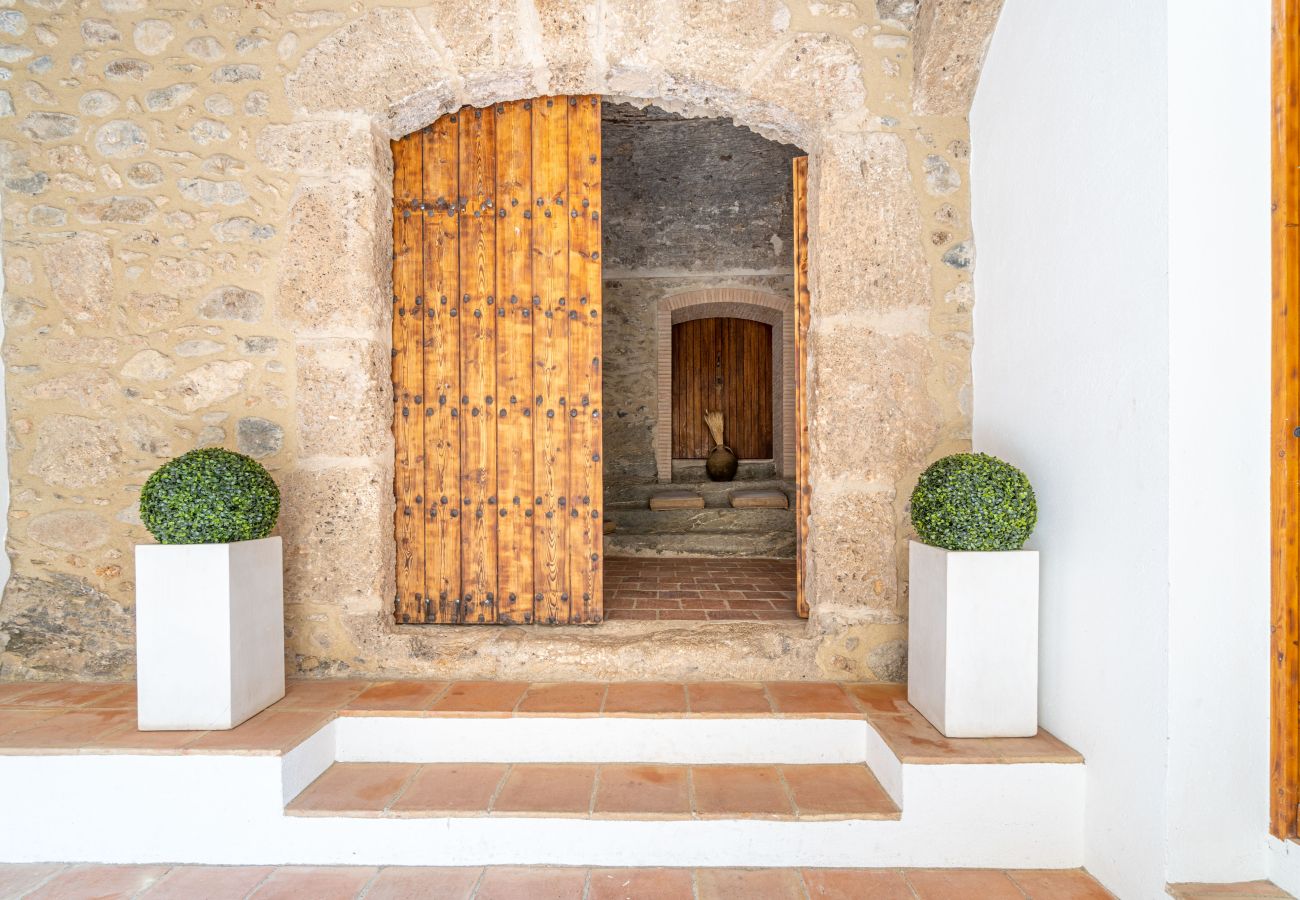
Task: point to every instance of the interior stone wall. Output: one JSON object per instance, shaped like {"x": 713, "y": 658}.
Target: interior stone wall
{"x": 196, "y": 221}
{"x": 697, "y": 202}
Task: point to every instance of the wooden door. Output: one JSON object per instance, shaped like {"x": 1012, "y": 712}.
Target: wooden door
{"x": 1284, "y": 657}
{"x": 496, "y": 365}
{"x": 802, "y": 318}
{"x": 724, "y": 364}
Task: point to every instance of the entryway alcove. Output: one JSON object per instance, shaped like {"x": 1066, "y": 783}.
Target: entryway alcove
{"x": 576, "y": 283}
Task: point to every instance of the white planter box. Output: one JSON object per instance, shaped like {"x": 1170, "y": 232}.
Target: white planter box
{"x": 209, "y": 633}
{"x": 972, "y": 660}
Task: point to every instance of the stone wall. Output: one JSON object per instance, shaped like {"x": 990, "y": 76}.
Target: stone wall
{"x": 690, "y": 204}
{"x": 196, "y": 208}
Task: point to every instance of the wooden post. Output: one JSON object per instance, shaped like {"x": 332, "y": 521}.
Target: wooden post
{"x": 802, "y": 314}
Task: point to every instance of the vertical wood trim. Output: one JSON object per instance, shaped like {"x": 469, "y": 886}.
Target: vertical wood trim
{"x": 514, "y": 362}
{"x": 584, "y": 393}
{"x": 478, "y": 364}
{"x": 1285, "y": 731}
{"x": 408, "y": 376}
{"x": 802, "y": 315}
{"x": 551, "y": 357}
{"x": 442, "y": 368}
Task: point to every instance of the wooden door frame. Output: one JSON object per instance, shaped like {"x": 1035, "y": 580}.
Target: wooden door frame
{"x": 802, "y": 319}
{"x": 1285, "y": 442}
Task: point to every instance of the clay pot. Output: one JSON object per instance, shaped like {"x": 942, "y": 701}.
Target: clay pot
{"x": 722, "y": 464}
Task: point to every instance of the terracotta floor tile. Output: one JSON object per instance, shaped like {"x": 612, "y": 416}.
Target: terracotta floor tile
{"x": 837, "y": 790}
{"x": 804, "y": 698}
{"x": 640, "y": 614}
{"x": 751, "y": 884}
{"x": 1043, "y": 748}
{"x": 643, "y": 790}
{"x": 16, "y": 879}
{"x": 704, "y": 603}
{"x": 10, "y": 691}
{"x": 728, "y": 697}
{"x": 99, "y": 882}
{"x": 881, "y": 698}
{"x": 498, "y": 697}
{"x": 72, "y": 729}
{"x": 556, "y": 789}
{"x": 856, "y": 884}
{"x": 209, "y": 882}
{"x": 1067, "y": 884}
{"x": 641, "y": 884}
{"x": 451, "y": 787}
{"x": 272, "y": 731}
{"x": 397, "y": 696}
{"x": 531, "y": 883}
{"x": 354, "y": 789}
{"x": 963, "y": 884}
{"x": 732, "y": 615}
{"x": 563, "y": 697}
{"x": 418, "y": 883}
{"x": 129, "y": 737}
{"x": 914, "y": 740}
{"x": 739, "y": 790}
{"x": 320, "y": 694}
{"x": 645, "y": 697}
{"x": 69, "y": 693}
{"x": 12, "y": 720}
{"x": 315, "y": 882}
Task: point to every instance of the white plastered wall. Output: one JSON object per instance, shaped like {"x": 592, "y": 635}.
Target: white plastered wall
{"x": 1120, "y": 195}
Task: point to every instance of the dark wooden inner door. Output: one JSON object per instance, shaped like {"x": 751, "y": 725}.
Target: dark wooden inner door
{"x": 722, "y": 364}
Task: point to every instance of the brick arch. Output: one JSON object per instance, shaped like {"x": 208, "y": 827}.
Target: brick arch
{"x": 737, "y": 303}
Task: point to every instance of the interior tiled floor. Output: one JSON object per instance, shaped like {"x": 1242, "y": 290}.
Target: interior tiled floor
{"x": 699, "y": 590}
{"x": 62, "y": 717}
{"x": 48, "y": 882}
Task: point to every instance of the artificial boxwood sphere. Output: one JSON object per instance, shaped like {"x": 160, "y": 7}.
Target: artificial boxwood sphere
{"x": 973, "y": 501}
{"x": 210, "y": 496}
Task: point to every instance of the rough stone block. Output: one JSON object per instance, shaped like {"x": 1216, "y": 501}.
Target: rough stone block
{"x": 337, "y": 525}
{"x": 869, "y": 253}
{"x": 318, "y": 148}
{"x": 334, "y": 254}
{"x": 344, "y": 398}
{"x": 852, "y": 535}
{"x": 75, "y": 451}
{"x": 80, "y": 271}
{"x": 950, "y": 40}
{"x": 371, "y": 64}
{"x": 870, "y": 413}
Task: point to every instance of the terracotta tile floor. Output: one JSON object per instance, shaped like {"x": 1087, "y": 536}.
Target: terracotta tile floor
{"x": 621, "y": 791}
{"x": 540, "y": 883}
{"x": 55, "y": 717}
{"x": 699, "y": 590}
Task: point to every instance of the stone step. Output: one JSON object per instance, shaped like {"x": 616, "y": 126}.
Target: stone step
{"x": 693, "y": 470}
{"x": 617, "y": 791}
{"x": 761, "y": 544}
{"x": 700, "y": 521}
{"x": 636, "y": 495}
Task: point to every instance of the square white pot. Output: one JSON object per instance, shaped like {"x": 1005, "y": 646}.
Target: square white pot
{"x": 209, "y": 633}
{"x": 972, "y": 658}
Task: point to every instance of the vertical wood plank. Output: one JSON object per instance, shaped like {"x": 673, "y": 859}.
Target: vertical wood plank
{"x": 408, "y": 376}
{"x": 478, "y": 529}
{"x": 514, "y": 235}
{"x": 1284, "y": 818}
{"x": 584, "y": 391}
{"x": 550, "y": 357}
{"x": 442, "y": 369}
{"x": 802, "y": 317}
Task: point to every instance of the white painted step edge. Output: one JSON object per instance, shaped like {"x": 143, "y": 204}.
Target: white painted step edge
{"x": 229, "y": 809}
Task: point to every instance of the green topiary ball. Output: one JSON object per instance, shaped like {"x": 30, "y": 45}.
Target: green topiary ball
{"x": 973, "y": 501}
{"x": 210, "y": 496}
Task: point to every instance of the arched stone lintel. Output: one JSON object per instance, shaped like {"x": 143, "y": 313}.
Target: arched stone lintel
{"x": 738, "y": 303}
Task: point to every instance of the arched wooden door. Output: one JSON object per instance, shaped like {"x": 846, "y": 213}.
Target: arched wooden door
{"x": 496, "y": 365}
{"x": 722, "y": 364}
